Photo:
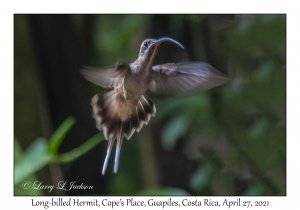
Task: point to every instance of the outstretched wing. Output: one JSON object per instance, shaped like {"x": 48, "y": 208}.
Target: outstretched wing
{"x": 106, "y": 78}
{"x": 181, "y": 77}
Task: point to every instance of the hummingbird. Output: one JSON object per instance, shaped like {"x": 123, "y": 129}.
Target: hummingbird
{"x": 125, "y": 108}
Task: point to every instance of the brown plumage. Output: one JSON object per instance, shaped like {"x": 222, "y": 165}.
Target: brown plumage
{"x": 125, "y": 108}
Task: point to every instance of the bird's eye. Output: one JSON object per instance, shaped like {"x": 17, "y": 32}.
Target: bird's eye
{"x": 147, "y": 43}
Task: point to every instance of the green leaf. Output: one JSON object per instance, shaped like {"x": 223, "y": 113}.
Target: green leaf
{"x": 20, "y": 189}
{"x": 254, "y": 190}
{"x": 79, "y": 151}
{"x": 163, "y": 191}
{"x": 264, "y": 72}
{"x": 259, "y": 129}
{"x": 59, "y": 135}
{"x": 174, "y": 130}
{"x": 201, "y": 177}
{"x": 34, "y": 159}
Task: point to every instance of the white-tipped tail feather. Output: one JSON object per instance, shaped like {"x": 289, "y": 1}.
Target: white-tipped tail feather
{"x": 119, "y": 118}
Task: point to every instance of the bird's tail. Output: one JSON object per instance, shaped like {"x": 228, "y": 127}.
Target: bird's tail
{"x": 119, "y": 118}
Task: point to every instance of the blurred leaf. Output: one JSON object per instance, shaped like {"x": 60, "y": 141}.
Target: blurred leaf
{"x": 254, "y": 190}
{"x": 174, "y": 130}
{"x": 34, "y": 159}
{"x": 265, "y": 71}
{"x": 201, "y": 177}
{"x": 163, "y": 191}
{"x": 259, "y": 129}
{"x": 19, "y": 190}
{"x": 59, "y": 135}
{"x": 79, "y": 151}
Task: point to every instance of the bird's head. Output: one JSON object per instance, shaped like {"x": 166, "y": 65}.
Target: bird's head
{"x": 150, "y": 47}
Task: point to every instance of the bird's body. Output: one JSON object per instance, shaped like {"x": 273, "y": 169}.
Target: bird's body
{"x": 136, "y": 83}
{"x": 126, "y": 108}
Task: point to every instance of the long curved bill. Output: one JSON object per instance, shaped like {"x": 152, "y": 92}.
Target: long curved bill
{"x": 166, "y": 39}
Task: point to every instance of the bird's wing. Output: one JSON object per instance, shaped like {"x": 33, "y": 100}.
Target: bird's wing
{"x": 181, "y": 77}
{"x": 106, "y": 78}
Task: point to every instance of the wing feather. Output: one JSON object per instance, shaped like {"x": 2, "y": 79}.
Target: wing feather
{"x": 181, "y": 77}
{"x": 106, "y": 78}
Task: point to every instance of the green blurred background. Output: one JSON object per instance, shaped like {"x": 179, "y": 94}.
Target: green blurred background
{"x": 230, "y": 140}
